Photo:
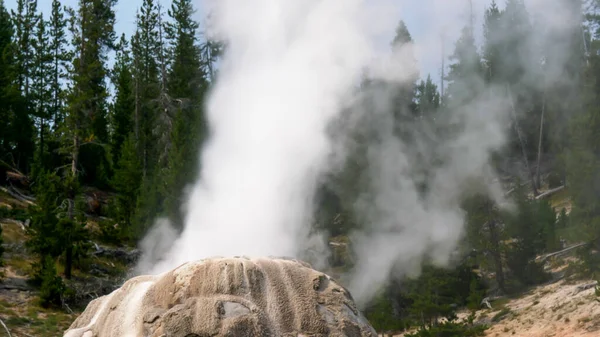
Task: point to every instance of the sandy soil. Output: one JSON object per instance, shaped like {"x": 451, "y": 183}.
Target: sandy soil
{"x": 557, "y": 310}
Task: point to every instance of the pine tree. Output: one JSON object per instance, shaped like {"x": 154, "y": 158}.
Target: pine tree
{"x": 52, "y": 287}
{"x": 92, "y": 28}
{"x": 60, "y": 58}
{"x": 57, "y": 228}
{"x": 403, "y": 101}
{"x": 41, "y": 94}
{"x": 9, "y": 92}
{"x": 485, "y": 233}
{"x": 152, "y": 117}
{"x": 584, "y": 158}
{"x": 25, "y": 21}
{"x": 124, "y": 105}
{"x": 22, "y": 128}
{"x": 427, "y": 97}
{"x": 127, "y": 180}
{"x": 128, "y": 171}
{"x": 464, "y": 78}
{"x": 491, "y": 50}
{"x": 146, "y": 45}
{"x": 528, "y": 228}
{"x": 186, "y": 83}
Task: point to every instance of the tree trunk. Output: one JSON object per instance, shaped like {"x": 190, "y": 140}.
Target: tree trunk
{"x": 539, "y": 154}
{"x": 163, "y": 69}
{"x": 68, "y": 261}
{"x": 534, "y": 187}
{"x": 42, "y": 142}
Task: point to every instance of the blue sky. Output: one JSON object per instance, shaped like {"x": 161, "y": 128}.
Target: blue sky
{"x": 426, "y": 20}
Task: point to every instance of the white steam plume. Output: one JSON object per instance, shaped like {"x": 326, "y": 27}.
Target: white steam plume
{"x": 405, "y": 227}
{"x": 288, "y": 68}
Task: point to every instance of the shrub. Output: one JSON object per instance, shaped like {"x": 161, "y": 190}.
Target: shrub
{"x": 52, "y": 287}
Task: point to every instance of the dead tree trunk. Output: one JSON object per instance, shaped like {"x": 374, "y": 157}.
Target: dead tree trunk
{"x": 539, "y": 154}
{"x": 534, "y": 187}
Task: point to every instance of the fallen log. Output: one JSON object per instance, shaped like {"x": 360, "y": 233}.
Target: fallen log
{"x": 550, "y": 192}
{"x": 543, "y": 258}
{"x": 585, "y": 287}
{"x": 5, "y": 328}
{"x": 18, "y": 196}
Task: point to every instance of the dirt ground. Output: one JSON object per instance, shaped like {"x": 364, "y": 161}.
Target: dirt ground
{"x": 559, "y": 309}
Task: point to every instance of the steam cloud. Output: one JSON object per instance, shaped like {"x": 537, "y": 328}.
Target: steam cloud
{"x": 290, "y": 71}
{"x": 288, "y": 68}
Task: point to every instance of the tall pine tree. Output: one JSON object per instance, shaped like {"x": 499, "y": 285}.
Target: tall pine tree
{"x": 186, "y": 83}
{"x": 92, "y": 28}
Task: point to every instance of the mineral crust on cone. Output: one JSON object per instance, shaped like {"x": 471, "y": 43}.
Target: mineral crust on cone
{"x": 226, "y": 297}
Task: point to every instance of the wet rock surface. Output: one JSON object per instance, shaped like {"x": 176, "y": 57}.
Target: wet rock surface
{"x": 226, "y": 297}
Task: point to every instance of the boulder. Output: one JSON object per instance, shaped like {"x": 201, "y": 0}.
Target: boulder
{"x": 226, "y": 297}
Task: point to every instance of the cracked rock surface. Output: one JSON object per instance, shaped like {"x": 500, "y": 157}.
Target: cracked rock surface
{"x": 226, "y": 297}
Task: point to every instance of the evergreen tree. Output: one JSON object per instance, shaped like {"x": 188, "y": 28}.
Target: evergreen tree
{"x": 60, "y": 57}
{"x": 491, "y": 49}
{"x": 187, "y": 83}
{"x": 25, "y": 21}
{"x": 146, "y": 45}
{"x": 22, "y": 128}
{"x": 404, "y": 105}
{"x": 427, "y": 97}
{"x": 93, "y": 33}
{"x": 529, "y": 228}
{"x": 126, "y": 182}
{"x": 485, "y": 233}
{"x": 152, "y": 119}
{"x": 584, "y": 159}
{"x": 52, "y": 286}
{"x": 124, "y": 105}
{"x": 9, "y": 91}
{"x": 464, "y": 78}
{"x": 41, "y": 94}
{"x": 57, "y": 229}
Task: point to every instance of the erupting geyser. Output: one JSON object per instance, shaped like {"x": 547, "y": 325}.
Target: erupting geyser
{"x": 226, "y": 297}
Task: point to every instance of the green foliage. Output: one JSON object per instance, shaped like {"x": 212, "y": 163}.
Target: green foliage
{"x": 429, "y": 302}
{"x": 452, "y": 328}
{"x": 57, "y": 228}
{"x": 16, "y": 132}
{"x": 126, "y": 181}
{"x": 52, "y": 287}
{"x": 563, "y": 219}
{"x": 380, "y": 314}
{"x": 437, "y": 293}
{"x": 124, "y": 105}
{"x": 185, "y": 81}
{"x": 44, "y": 240}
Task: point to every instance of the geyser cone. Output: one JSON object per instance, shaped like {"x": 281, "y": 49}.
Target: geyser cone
{"x": 226, "y": 297}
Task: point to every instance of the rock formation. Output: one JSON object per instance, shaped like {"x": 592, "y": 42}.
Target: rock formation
{"x": 226, "y": 297}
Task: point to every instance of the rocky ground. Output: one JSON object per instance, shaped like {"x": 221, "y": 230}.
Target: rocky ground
{"x": 561, "y": 309}
{"x": 565, "y": 307}
{"x": 19, "y": 306}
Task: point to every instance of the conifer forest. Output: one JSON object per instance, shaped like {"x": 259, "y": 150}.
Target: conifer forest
{"x": 102, "y": 136}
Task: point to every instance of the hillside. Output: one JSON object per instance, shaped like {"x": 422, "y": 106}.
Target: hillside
{"x": 560, "y": 306}
{"x": 20, "y": 309}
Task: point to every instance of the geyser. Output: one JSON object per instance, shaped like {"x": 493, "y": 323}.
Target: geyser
{"x": 287, "y": 70}
{"x": 226, "y": 297}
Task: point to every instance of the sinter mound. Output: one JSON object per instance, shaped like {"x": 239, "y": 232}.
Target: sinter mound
{"x": 226, "y": 297}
